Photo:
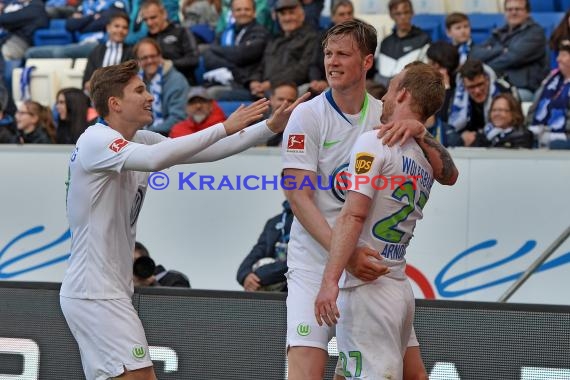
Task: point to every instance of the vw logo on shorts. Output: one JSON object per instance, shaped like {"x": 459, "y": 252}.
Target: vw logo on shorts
{"x": 303, "y": 329}
{"x": 138, "y": 352}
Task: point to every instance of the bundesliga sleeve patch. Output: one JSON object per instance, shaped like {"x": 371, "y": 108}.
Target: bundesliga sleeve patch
{"x": 363, "y": 163}
{"x": 118, "y": 144}
{"x": 296, "y": 143}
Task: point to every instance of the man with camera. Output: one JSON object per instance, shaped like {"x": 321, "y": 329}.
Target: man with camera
{"x": 147, "y": 273}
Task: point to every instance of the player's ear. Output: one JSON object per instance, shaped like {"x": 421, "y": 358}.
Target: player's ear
{"x": 114, "y": 104}
{"x": 368, "y": 61}
{"x": 402, "y": 94}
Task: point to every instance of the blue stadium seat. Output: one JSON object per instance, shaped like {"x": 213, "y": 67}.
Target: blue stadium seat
{"x": 432, "y": 24}
{"x": 483, "y": 24}
{"x": 563, "y": 5}
{"x": 548, "y": 20}
{"x": 56, "y": 34}
{"x": 230, "y": 106}
{"x": 543, "y": 5}
{"x": 204, "y": 33}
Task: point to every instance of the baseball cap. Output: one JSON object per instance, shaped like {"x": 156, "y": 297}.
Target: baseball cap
{"x": 198, "y": 92}
{"x": 284, "y": 4}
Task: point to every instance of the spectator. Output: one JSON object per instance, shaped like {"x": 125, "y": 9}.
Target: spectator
{"x": 7, "y": 127}
{"x": 286, "y": 58}
{"x": 176, "y": 42}
{"x": 34, "y": 123}
{"x": 506, "y": 127}
{"x": 61, "y": 8}
{"x": 137, "y": 27}
{"x": 198, "y": 12}
{"x": 560, "y": 33}
{"x": 282, "y": 92}
{"x": 227, "y": 18}
{"x": 20, "y": 19}
{"x": 168, "y": 87}
{"x": 458, "y": 31}
{"x": 203, "y": 112}
{"x": 444, "y": 57}
{"x": 476, "y": 85}
{"x": 72, "y": 106}
{"x": 265, "y": 266}
{"x": 313, "y": 10}
{"x": 550, "y": 112}
{"x": 406, "y": 44}
{"x": 341, "y": 10}
{"x": 516, "y": 51}
{"x": 89, "y": 23}
{"x": 147, "y": 273}
{"x": 111, "y": 52}
{"x": 238, "y": 50}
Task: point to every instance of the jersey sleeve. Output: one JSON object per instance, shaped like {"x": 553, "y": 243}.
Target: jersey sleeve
{"x": 104, "y": 149}
{"x": 300, "y": 147}
{"x": 367, "y": 160}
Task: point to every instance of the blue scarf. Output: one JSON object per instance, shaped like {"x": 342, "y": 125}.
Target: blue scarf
{"x": 155, "y": 88}
{"x": 553, "y": 103}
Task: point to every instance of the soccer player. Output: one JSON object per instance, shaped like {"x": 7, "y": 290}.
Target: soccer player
{"x": 108, "y": 173}
{"x": 317, "y": 142}
{"x": 377, "y": 316}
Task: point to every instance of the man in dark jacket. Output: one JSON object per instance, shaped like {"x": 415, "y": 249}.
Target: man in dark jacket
{"x": 20, "y": 19}
{"x": 176, "y": 42}
{"x": 265, "y": 266}
{"x": 147, "y": 273}
{"x": 517, "y": 50}
{"x": 238, "y": 49}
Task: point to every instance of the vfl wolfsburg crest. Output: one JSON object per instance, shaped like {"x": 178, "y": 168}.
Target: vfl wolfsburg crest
{"x": 303, "y": 329}
{"x": 139, "y": 352}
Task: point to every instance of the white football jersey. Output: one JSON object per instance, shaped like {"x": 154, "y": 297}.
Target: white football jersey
{"x": 398, "y": 179}
{"x": 319, "y": 138}
{"x": 103, "y": 204}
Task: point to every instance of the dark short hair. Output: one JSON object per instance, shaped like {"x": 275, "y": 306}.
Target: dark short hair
{"x": 455, "y": 18}
{"x": 471, "y": 69}
{"x": 363, "y": 33}
{"x": 118, "y": 14}
{"x": 526, "y": 4}
{"x": 111, "y": 81}
{"x": 147, "y": 3}
{"x": 251, "y": 1}
{"x": 340, "y": 3}
{"x": 425, "y": 84}
{"x": 392, "y": 4}
{"x": 141, "y": 249}
{"x": 444, "y": 54}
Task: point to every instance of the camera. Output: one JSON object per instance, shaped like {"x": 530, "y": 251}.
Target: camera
{"x": 144, "y": 267}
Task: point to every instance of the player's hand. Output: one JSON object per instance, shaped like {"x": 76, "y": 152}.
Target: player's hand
{"x": 325, "y": 304}
{"x": 361, "y": 265}
{"x": 251, "y": 283}
{"x": 245, "y": 115}
{"x": 278, "y": 121}
{"x": 401, "y": 131}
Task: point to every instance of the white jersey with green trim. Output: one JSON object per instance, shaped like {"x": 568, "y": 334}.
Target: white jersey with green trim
{"x": 398, "y": 179}
{"x": 319, "y": 138}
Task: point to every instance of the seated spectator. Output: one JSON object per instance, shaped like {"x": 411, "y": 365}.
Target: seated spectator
{"x": 89, "y": 23}
{"x": 262, "y": 15}
{"x": 476, "y": 84}
{"x": 282, "y": 92}
{"x": 111, "y": 52}
{"x": 516, "y": 51}
{"x": 313, "y": 10}
{"x": 147, "y": 273}
{"x": 265, "y": 266}
{"x": 560, "y": 33}
{"x": 19, "y": 19}
{"x": 61, "y": 8}
{"x": 286, "y": 58}
{"x": 458, "y": 30}
{"x": 176, "y": 42}
{"x": 199, "y": 12}
{"x": 72, "y": 106}
{"x": 168, "y": 87}
{"x": 506, "y": 127}
{"x": 238, "y": 50}
{"x": 34, "y": 123}
{"x": 341, "y": 10}
{"x": 137, "y": 27}
{"x": 203, "y": 112}
{"x": 444, "y": 57}
{"x": 406, "y": 44}
{"x": 550, "y": 112}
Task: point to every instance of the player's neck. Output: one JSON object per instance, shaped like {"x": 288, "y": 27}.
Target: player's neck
{"x": 124, "y": 128}
{"x": 349, "y": 101}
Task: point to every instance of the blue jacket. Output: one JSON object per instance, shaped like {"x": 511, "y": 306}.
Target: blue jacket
{"x": 23, "y": 22}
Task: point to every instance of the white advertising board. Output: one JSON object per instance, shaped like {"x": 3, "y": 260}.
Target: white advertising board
{"x": 476, "y": 238}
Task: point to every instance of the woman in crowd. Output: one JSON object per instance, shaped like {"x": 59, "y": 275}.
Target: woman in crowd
{"x": 34, "y": 123}
{"x": 506, "y": 127}
{"x": 72, "y": 106}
